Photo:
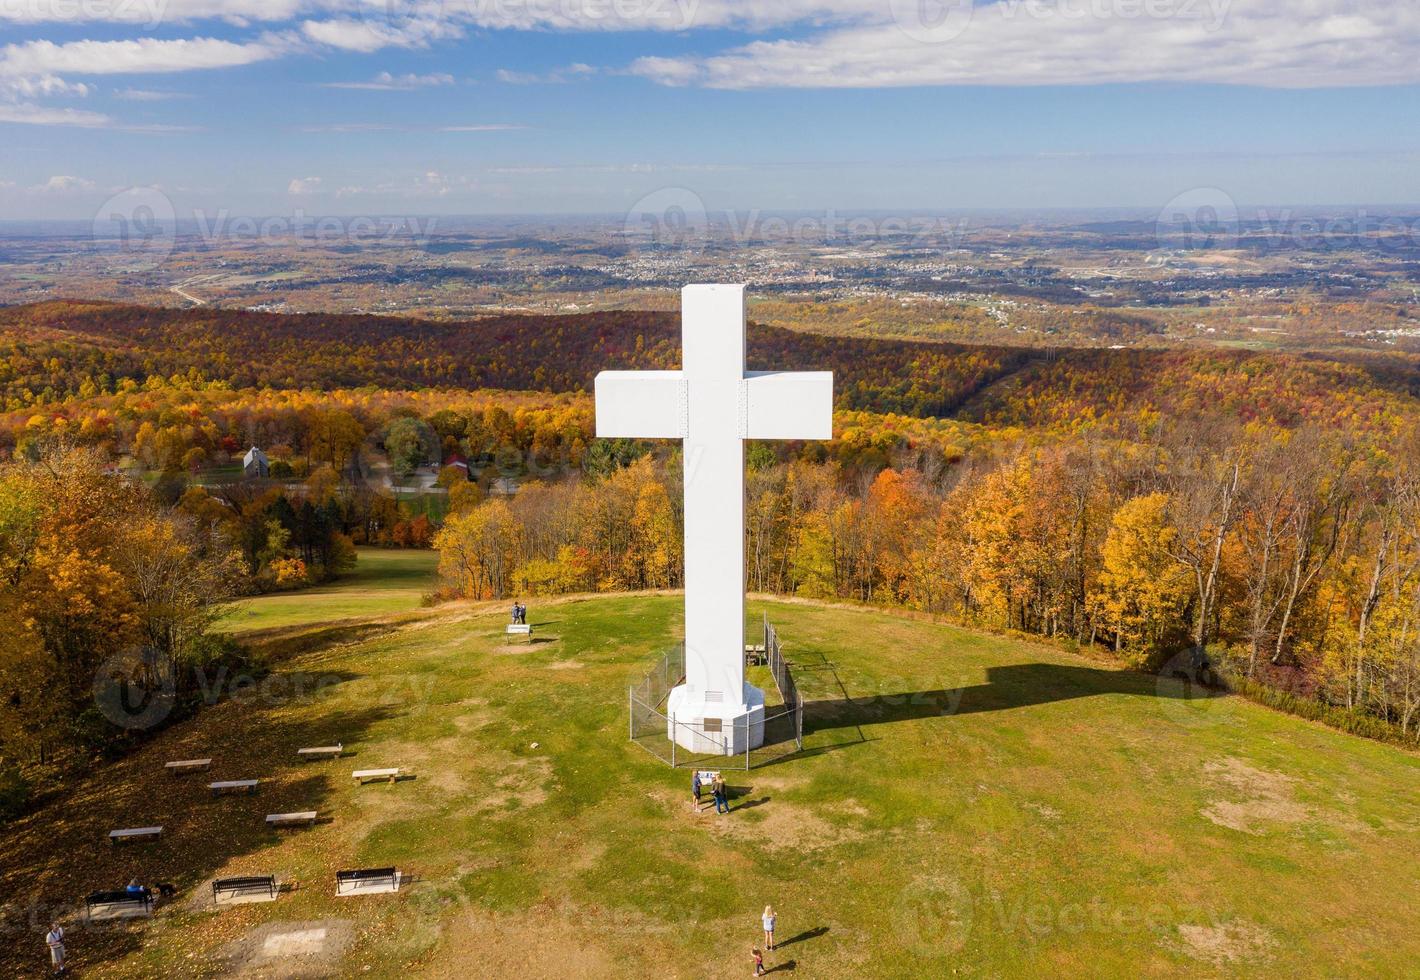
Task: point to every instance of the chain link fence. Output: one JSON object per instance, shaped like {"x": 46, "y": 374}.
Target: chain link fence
{"x": 784, "y": 680}
{"x": 666, "y": 737}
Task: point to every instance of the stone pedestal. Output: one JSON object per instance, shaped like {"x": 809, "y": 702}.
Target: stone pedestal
{"x": 738, "y": 723}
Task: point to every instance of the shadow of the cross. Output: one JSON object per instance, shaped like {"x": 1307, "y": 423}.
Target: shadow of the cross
{"x": 1006, "y": 688}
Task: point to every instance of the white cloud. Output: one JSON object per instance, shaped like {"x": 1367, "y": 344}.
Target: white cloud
{"x": 796, "y": 43}
{"x": 1298, "y": 43}
{"x": 29, "y": 71}
{"x": 429, "y": 184}
{"x": 304, "y": 185}
{"x": 661, "y": 15}
{"x": 40, "y": 86}
{"x": 139, "y": 55}
{"x": 567, "y": 15}
{"x": 148, "y": 95}
{"x": 373, "y": 34}
{"x": 151, "y": 11}
{"x": 554, "y": 77}
{"x": 386, "y": 82}
{"x": 64, "y": 185}
{"x": 37, "y": 115}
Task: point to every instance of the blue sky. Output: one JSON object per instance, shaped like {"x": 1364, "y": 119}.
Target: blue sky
{"x": 522, "y": 106}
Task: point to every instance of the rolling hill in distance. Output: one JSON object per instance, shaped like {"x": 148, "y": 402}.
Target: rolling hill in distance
{"x": 55, "y": 348}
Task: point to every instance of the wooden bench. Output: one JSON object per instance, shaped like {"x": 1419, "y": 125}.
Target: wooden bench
{"x": 366, "y": 881}
{"x": 296, "y": 819}
{"x": 364, "y": 776}
{"x": 118, "y": 904}
{"x": 134, "y": 833}
{"x": 321, "y": 752}
{"x": 233, "y": 786}
{"x": 248, "y": 885}
{"x": 187, "y": 765}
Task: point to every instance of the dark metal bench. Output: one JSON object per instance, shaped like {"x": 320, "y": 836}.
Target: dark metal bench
{"x": 121, "y": 900}
{"x": 248, "y": 885}
{"x": 351, "y": 882}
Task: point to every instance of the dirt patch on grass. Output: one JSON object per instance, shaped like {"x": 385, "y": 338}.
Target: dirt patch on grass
{"x": 288, "y": 950}
{"x": 850, "y": 808}
{"x": 530, "y": 947}
{"x": 1226, "y": 945}
{"x": 522, "y": 783}
{"x": 473, "y": 714}
{"x": 778, "y": 826}
{"x": 1260, "y": 799}
{"x": 1044, "y": 809}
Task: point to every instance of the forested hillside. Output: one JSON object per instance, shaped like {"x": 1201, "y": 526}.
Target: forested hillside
{"x": 58, "y": 349}
{"x": 54, "y": 351}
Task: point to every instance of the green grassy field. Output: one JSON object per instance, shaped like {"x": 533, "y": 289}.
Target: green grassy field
{"x": 967, "y": 805}
{"x": 384, "y": 581}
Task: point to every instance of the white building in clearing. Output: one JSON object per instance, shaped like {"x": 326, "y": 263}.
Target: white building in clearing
{"x": 255, "y": 465}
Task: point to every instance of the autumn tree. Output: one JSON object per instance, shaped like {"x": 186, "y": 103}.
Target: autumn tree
{"x": 1142, "y": 593}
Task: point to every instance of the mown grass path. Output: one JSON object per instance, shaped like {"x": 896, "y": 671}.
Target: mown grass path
{"x": 967, "y": 805}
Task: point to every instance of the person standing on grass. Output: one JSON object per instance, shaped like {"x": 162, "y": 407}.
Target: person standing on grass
{"x": 758, "y": 963}
{"x": 695, "y": 789}
{"x": 54, "y": 939}
{"x": 722, "y": 797}
{"x": 768, "y": 923}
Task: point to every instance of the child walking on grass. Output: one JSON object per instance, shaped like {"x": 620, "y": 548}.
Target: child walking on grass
{"x": 758, "y": 963}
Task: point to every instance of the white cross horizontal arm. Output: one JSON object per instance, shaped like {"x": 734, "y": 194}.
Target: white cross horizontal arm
{"x": 788, "y": 405}
{"x": 641, "y": 405}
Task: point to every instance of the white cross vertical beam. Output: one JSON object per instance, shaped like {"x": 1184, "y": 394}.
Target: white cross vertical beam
{"x": 713, "y": 365}
{"x": 713, "y": 406}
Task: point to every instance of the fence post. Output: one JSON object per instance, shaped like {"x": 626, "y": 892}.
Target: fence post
{"x": 746, "y": 743}
{"x": 799, "y": 719}
{"x": 631, "y": 712}
{"x": 673, "y": 740}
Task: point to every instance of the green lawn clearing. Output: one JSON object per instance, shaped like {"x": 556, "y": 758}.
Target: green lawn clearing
{"x": 384, "y": 581}
{"x": 967, "y": 805}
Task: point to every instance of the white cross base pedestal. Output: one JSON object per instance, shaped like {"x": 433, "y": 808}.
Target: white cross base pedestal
{"x": 741, "y": 726}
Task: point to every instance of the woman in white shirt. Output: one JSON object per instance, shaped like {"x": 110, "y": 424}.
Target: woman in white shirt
{"x": 769, "y": 926}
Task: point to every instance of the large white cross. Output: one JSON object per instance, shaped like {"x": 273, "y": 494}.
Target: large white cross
{"x": 714, "y": 405}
